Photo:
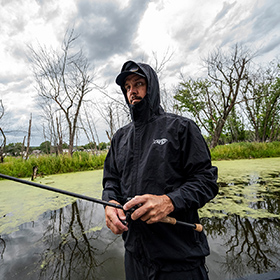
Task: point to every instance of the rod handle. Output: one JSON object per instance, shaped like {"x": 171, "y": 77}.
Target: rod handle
{"x": 168, "y": 220}
{"x": 198, "y": 227}
{"x": 173, "y": 221}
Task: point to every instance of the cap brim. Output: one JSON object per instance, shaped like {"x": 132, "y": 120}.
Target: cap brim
{"x": 120, "y": 80}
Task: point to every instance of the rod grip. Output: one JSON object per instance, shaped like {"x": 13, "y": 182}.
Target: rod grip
{"x": 173, "y": 221}
{"x": 168, "y": 220}
{"x": 198, "y": 227}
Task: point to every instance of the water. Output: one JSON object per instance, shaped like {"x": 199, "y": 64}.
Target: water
{"x": 40, "y": 240}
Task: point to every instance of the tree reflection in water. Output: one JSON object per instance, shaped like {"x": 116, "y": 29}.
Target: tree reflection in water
{"x": 75, "y": 250}
{"x": 250, "y": 245}
{"x": 70, "y": 243}
{"x": 2, "y": 247}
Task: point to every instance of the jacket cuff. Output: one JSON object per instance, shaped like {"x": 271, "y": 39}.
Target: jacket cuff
{"x": 177, "y": 200}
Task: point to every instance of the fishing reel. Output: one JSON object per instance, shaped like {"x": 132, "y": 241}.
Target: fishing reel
{"x": 129, "y": 212}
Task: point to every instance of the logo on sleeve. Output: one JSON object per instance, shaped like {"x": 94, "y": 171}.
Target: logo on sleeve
{"x": 160, "y": 141}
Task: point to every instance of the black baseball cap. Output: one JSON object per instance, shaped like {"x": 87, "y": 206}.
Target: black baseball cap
{"x": 129, "y": 68}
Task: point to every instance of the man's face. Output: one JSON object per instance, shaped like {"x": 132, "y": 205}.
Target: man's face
{"x": 136, "y": 88}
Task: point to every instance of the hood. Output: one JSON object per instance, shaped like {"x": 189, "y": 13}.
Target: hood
{"x": 150, "y": 104}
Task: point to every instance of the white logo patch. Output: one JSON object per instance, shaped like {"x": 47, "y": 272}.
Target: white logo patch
{"x": 160, "y": 141}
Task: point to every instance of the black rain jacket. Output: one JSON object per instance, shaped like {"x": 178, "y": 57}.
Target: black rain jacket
{"x": 161, "y": 153}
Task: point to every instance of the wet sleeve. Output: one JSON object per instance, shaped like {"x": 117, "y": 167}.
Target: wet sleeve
{"x": 200, "y": 177}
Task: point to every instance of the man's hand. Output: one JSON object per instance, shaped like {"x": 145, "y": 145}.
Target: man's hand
{"x": 113, "y": 219}
{"x": 151, "y": 208}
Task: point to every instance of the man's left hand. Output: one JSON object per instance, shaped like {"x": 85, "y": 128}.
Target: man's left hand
{"x": 151, "y": 208}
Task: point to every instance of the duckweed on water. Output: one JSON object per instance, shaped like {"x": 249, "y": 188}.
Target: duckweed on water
{"x": 21, "y": 203}
{"x": 248, "y": 188}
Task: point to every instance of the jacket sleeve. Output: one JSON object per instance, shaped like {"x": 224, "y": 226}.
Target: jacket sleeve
{"x": 200, "y": 177}
{"x": 111, "y": 178}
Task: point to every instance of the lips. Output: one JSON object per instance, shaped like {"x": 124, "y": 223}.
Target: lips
{"x": 135, "y": 99}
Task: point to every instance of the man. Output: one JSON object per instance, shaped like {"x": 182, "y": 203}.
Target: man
{"x": 161, "y": 164}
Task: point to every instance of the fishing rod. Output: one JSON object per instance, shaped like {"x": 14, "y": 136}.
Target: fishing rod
{"x": 168, "y": 220}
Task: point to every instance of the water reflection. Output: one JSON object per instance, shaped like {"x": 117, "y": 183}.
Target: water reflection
{"x": 70, "y": 243}
{"x": 2, "y": 247}
{"x": 250, "y": 241}
{"x": 242, "y": 224}
{"x": 250, "y": 246}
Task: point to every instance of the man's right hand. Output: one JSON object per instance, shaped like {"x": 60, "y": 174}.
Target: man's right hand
{"x": 114, "y": 216}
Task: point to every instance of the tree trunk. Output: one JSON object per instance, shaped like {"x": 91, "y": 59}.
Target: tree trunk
{"x": 28, "y": 138}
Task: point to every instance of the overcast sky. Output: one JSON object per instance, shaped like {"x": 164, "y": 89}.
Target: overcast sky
{"x": 114, "y": 31}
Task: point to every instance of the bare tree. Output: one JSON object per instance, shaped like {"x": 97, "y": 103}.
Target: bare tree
{"x": 166, "y": 93}
{"x": 90, "y": 130}
{"x": 211, "y": 100}
{"x": 53, "y": 131}
{"x": 28, "y": 137}
{"x": 4, "y": 140}
{"x": 160, "y": 63}
{"x": 63, "y": 79}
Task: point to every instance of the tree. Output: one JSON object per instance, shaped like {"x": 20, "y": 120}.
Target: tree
{"x": 45, "y": 147}
{"x": 115, "y": 113}
{"x": 262, "y": 103}
{"x": 3, "y": 141}
{"x": 102, "y": 145}
{"x": 211, "y": 100}
{"x": 235, "y": 127}
{"x": 28, "y": 137}
{"x": 15, "y": 149}
{"x": 63, "y": 80}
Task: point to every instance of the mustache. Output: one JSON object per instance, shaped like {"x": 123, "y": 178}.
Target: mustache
{"x": 135, "y": 98}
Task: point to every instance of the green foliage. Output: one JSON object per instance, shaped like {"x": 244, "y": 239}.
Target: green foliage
{"x": 50, "y": 164}
{"x": 102, "y": 146}
{"x": 14, "y": 149}
{"x": 45, "y": 147}
{"x": 265, "y": 109}
{"x": 245, "y": 150}
{"x": 89, "y": 146}
{"x": 192, "y": 97}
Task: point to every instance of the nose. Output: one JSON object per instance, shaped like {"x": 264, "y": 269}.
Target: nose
{"x": 132, "y": 90}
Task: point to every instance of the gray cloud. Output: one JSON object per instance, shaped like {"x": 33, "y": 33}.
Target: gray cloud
{"x": 272, "y": 45}
{"x": 266, "y": 18}
{"x": 225, "y": 10}
{"x": 49, "y": 10}
{"x": 108, "y": 29}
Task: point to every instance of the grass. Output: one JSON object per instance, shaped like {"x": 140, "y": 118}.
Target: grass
{"x": 51, "y": 164}
{"x": 81, "y": 161}
{"x": 246, "y": 150}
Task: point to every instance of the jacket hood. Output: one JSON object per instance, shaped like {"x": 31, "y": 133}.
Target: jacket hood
{"x": 152, "y": 98}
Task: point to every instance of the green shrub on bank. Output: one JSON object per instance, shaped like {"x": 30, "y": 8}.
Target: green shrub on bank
{"x": 51, "y": 164}
{"x": 245, "y": 150}
{"x": 81, "y": 161}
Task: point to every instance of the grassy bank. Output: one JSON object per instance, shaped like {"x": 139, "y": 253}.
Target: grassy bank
{"x": 81, "y": 161}
{"x": 246, "y": 150}
{"x": 51, "y": 164}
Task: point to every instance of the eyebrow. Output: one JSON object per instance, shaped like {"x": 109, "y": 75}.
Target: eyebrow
{"x": 135, "y": 80}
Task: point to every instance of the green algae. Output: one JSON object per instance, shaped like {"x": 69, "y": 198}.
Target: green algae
{"x": 21, "y": 203}
{"x": 248, "y": 188}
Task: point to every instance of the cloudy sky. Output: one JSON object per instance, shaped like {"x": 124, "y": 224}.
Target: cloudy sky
{"x": 113, "y": 31}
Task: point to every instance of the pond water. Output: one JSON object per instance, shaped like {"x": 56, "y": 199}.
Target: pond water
{"x": 44, "y": 235}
